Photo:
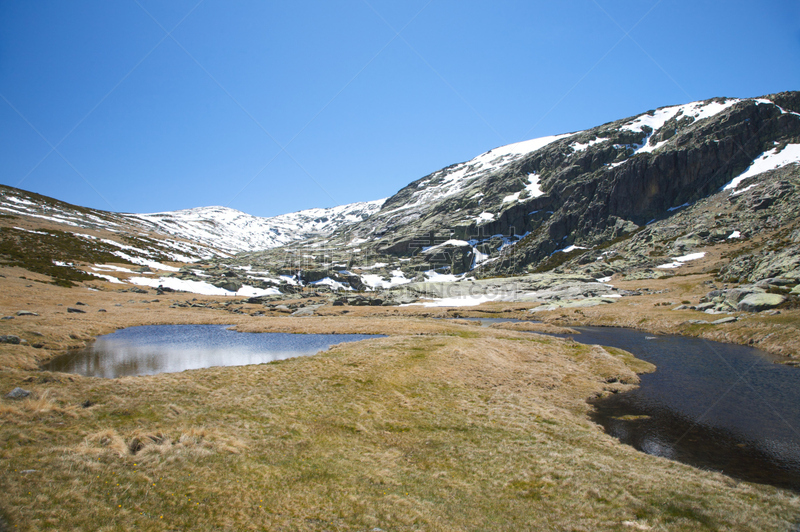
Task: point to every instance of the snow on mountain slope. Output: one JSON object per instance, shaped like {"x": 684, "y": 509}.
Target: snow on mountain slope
{"x": 235, "y": 231}
{"x": 199, "y": 233}
{"x": 453, "y": 179}
{"x": 769, "y": 160}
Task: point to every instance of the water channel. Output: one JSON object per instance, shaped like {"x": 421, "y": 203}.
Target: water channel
{"x": 716, "y": 406}
{"x": 152, "y": 349}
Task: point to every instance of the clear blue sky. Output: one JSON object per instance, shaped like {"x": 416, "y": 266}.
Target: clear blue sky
{"x": 271, "y": 107}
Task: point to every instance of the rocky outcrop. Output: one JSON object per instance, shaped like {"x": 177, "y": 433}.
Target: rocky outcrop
{"x": 511, "y": 210}
{"x": 747, "y": 298}
{"x": 759, "y": 302}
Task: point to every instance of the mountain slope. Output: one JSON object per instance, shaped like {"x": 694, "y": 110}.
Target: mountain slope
{"x": 579, "y": 189}
{"x": 234, "y": 231}
{"x": 623, "y": 197}
{"x": 202, "y": 232}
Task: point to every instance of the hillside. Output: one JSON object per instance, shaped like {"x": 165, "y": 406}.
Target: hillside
{"x": 682, "y": 220}
{"x": 638, "y": 198}
{"x": 681, "y": 176}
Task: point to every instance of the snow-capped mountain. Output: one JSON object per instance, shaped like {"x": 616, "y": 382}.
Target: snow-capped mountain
{"x": 644, "y": 187}
{"x": 234, "y": 231}
{"x": 186, "y": 235}
{"x": 527, "y": 206}
{"x": 593, "y": 184}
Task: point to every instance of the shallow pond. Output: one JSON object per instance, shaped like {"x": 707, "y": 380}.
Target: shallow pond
{"x": 152, "y": 349}
{"x": 717, "y": 406}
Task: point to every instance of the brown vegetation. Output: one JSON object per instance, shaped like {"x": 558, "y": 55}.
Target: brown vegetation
{"x": 440, "y": 426}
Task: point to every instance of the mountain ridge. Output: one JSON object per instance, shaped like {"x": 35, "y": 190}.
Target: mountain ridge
{"x": 594, "y": 203}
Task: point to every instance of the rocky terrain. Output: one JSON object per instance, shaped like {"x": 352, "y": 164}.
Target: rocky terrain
{"x": 650, "y": 184}
{"x": 549, "y": 221}
{"x": 680, "y": 220}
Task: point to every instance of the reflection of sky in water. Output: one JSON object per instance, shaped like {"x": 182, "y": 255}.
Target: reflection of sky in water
{"x": 171, "y": 348}
{"x": 657, "y": 447}
{"x": 725, "y": 406}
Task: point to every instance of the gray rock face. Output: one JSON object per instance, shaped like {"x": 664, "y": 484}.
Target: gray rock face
{"x": 591, "y": 189}
{"x": 231, "y": 285}
{"x": 757, "y": 302}
{"x": 747, "y": 298}
{"x": 18, "y": 393}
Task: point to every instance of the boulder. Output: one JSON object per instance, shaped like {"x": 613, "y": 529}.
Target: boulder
{"x": 757, "y": 302}
{"x": 735, "y": 295}
{"x": 75, "y": 310}
{"x": 231, "y": 285}
{"x": 10, "y": 339}
{"x": 18, "y": 393}
{"x": 306, "y": 311}
{"x": 26, "y": 313}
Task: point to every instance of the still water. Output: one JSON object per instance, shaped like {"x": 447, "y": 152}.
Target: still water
{"x": 717, "y": 406}
{"x": 152, "y": 349}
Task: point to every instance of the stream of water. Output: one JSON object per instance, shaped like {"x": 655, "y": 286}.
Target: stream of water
{"x": 717, "y": 406}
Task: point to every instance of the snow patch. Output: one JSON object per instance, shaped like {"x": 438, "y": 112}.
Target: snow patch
{"x": 457, "y": 243}
{"x": 108, "y": 278}
{"x": 678, "y": 207}
{"x": 679, "y": 261}
{"x": 111, "y": 268}
{"x": 200, "y": 287}
{"x": 146, "y": 262}
{"x": 769, "y": 160}
{"x": 377, "y": 281}
{"x": 335, "y": 285}
{"x": 578, "y": 147}
{"x": 31, "y": 231}
{"x": 456, "y": 178}
{"x": 484, "y": 217}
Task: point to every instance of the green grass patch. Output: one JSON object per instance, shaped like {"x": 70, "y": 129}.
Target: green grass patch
{"x": 38, "y": 253}
{"x": 636, "y": 365}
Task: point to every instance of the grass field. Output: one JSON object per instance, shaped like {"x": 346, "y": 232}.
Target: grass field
{"x": 439, "y": 426}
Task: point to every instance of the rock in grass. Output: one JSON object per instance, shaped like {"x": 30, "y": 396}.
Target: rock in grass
{"x": 758, "y": 302}
{"x": 26, "y": 313}
{"x": 10, "y": 339}
{"x": 18, "y": 393}
{"x": 729, "y": 319}
{"x": 76, "y": 310}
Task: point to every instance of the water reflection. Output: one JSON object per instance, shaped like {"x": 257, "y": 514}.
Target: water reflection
{"x": 719, "y": 406}
{"x": 155, "y": 349}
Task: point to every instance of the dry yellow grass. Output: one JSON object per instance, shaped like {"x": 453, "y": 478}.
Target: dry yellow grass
{"x": 473, "y": 429}
{"x": 441, "y": 426}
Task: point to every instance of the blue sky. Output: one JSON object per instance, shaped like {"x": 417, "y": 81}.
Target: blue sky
{"x": 271, "y": 107}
